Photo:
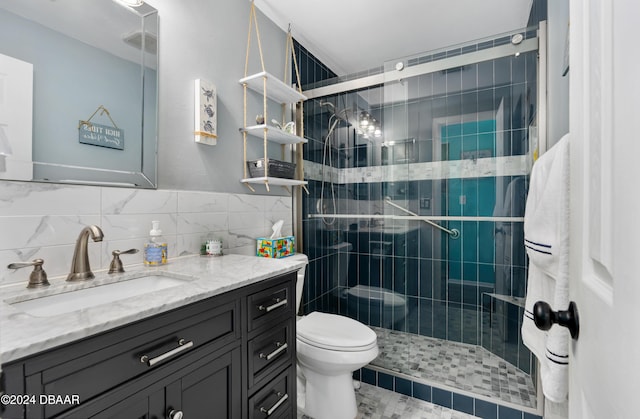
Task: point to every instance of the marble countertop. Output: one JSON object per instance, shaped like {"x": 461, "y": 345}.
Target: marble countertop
{"x": 22, "y": 334}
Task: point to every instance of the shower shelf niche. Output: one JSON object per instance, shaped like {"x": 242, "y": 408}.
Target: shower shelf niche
{"x": 277, "y": 91}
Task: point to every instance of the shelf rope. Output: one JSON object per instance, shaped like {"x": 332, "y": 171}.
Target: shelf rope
{"x": 299, "y": 122}
{"x": 252, "y": 18}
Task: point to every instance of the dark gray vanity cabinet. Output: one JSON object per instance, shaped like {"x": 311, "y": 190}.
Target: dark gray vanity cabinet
{"x": 229, "y": 356}
{"x": 202, "y": 389}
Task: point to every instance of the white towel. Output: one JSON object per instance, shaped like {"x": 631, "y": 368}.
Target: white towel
{"x": 546, "y": 236}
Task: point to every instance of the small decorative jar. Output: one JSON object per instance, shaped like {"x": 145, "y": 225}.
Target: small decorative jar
{"x": 213, "y": 247}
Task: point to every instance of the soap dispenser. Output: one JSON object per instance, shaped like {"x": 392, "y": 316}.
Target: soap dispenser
{"x": 155, "y": 251}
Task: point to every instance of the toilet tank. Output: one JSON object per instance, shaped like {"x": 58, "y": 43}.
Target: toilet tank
{"x": 300, "y": 280}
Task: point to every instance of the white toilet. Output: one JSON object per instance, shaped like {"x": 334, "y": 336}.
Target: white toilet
{"x": 329, "y": 349}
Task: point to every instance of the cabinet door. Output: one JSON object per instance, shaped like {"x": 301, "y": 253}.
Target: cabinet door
{"x": 209, "y": 392}
{"x": 143, "y": 405}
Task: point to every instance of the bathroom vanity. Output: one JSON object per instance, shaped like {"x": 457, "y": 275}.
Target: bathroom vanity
{"x": 213, "y": 347}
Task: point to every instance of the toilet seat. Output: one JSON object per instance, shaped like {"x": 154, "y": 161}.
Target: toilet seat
{"x": 333, "y": 332}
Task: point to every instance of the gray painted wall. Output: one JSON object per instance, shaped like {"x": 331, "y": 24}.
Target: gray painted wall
{"x": 207, "y": 39}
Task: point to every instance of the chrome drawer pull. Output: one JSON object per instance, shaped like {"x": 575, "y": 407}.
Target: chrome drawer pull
{"x": 283, "y": 398}
{"x": 278, "y": 303}
{"x": 152, "y": 361}
{"x": 281, "y": 347}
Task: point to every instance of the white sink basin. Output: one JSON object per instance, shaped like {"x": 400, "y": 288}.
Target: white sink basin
{"x": 67, "y": 302}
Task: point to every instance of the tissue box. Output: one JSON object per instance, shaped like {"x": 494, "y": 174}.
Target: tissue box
{"x": 275, "y": 248}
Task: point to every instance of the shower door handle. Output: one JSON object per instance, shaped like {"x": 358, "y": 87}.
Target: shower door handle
{"x": 544, "y": 317}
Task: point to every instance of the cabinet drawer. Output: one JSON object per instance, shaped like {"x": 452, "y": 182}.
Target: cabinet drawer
{"x": 197, "y": 384}
{"x": 277, "y": 399}
{"x": 270, "y": 350}
{"x": 91, "y": 374}
{"x": 264, "y": 306}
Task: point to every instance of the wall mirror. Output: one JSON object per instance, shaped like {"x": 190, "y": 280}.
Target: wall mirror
{"x": 78, "y": 92}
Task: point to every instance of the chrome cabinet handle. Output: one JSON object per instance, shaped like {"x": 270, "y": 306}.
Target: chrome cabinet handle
{"x": 278, "y": 303}
{"x": 281, "y": 347}
{"x": 184, "y": 345}
{"x": 283, "y": 398}
{"x": 175, "y": 414}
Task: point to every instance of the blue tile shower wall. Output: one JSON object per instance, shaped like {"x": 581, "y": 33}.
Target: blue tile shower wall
{"x": 318, "y": 292}
{"x": 460, "y": 402}
{"x": 311, "y": 69}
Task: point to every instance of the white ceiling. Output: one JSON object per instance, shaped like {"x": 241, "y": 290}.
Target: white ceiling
{"x": 355, "y": 35}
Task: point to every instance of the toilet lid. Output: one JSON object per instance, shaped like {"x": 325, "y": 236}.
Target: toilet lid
{"x": 330, "y": 331}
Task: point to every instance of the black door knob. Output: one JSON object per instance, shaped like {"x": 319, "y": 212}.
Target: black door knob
{"x": 544, "y": 317}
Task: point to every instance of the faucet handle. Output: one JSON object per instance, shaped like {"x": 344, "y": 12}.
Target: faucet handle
{"x": 116, "y": 263}
{"x": 38, "y": 277}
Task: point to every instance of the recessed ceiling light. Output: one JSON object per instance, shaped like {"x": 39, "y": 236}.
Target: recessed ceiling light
{"x": 517, "y": 38}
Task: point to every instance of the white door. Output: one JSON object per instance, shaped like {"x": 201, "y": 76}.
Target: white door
{"x": 16, "y": 122}
{"x": 605, "y": 208}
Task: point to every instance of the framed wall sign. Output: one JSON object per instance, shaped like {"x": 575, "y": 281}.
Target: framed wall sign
{"x": 206, "y": 104}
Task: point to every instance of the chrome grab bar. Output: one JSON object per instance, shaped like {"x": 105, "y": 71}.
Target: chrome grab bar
{"x": 454, "y": 233}
{"x": 283, "y": 398}
{"x": 273, "y": 306}
{"x": 280, "y": 347}
{"x": 183, "y": 346}
{"x": 422, "y": 217}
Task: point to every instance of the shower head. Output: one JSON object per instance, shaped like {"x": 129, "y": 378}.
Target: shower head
{"x": 329, "y": 104}
{"x": 342, "y": 113}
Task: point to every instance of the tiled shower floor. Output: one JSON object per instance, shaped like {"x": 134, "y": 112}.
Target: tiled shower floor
{"x": 458, "y": 365}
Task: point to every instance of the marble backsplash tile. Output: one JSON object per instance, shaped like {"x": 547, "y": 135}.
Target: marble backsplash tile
{"x": 26, "y": 198}
{"x": 138, "y": 201}
{"x": 39, "y": 220}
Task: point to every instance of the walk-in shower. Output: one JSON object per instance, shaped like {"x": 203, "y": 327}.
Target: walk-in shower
{"x": 415, "y": 226}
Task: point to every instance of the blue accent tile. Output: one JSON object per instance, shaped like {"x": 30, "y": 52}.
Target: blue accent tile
{"x": 454, "y": 130}
{"x": 403, "y": 386}
{"x": 442, "y": 397}
{"x": 356, "y": 374}
{"x": 531, "y": 416}
{"x": 422, "y": 392}
{"x": 508, "y": 413}
{"x": 462, "y": 403}
{"x": 385, "y": 381}
{"x": 486, "y": 410}
{"x": 369, "y": 376}
{"x": 470, "y": 273}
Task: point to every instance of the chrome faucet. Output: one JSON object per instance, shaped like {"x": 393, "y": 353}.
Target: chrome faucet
{"x": 80, "y": 269}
